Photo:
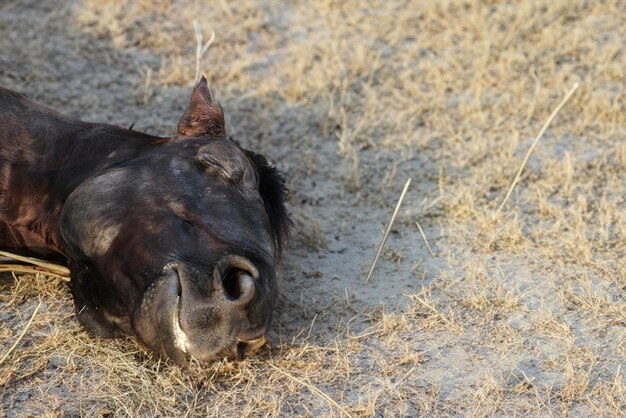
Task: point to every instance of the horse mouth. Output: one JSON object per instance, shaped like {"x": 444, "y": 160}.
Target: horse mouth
{"x": 246, "y": 348}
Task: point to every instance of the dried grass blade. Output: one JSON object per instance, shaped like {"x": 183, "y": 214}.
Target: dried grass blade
{"x": 30, "y": 321}
{"x": 430, "y": 250}
{"x": 532, "y": 147}
{"x": 393, "y": 218}
{"x": 200, "y": 47}
{"x": 20, "y": 268}
{"x": 55, "y": 268}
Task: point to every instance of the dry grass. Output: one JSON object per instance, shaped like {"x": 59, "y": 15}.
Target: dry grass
{"x": 521, "y": 313}
{"x": 386, "y": 235}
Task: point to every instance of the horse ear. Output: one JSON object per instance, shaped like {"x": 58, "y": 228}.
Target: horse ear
{"x": 202, "y": 117}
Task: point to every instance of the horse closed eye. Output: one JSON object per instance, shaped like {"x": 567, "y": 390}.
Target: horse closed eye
{"x": 230, "y": 168}
{"x": 208, "y": 161}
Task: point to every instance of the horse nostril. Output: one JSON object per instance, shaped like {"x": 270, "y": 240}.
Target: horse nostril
{"x": 236, "y": 276}
{"x": 236, "y": 282}
{"x": 173, "y": 270}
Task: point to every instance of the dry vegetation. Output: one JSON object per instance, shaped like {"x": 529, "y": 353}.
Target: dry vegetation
{"x": 522, "y": 312}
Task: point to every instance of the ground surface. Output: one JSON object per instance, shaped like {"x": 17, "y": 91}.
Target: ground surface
{"x": 521, "y": 312}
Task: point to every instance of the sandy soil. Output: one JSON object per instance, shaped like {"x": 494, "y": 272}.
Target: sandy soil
{"x": 521, "y": 312}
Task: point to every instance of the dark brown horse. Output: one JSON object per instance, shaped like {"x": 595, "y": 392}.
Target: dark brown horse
{"x": 174, "y": 241}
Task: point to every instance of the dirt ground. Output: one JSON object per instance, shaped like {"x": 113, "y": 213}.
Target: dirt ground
{"x": 520, "y": 312}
